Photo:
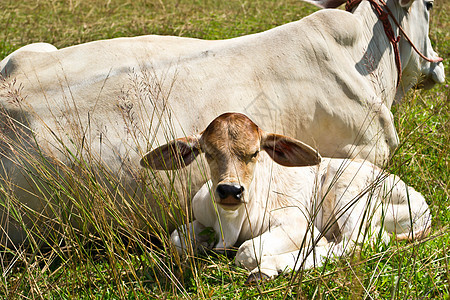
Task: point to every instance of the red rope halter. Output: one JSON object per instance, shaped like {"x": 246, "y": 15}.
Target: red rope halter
{"x": 383, "y": 16}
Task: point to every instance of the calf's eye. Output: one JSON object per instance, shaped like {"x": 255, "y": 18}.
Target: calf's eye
{"x": 255, "y": 154}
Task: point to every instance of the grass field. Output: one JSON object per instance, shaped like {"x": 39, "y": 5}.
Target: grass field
{"x": 112, "y": 270}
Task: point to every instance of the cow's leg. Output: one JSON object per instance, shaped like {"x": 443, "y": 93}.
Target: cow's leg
{"x": 406, "y": 213}
{"x": 193, "y": 234}
{"x": 359, "y": 221}
{"x": 391, "y": 208}
{"x": 270, "y": 265}
{"x": 292, "y": 233}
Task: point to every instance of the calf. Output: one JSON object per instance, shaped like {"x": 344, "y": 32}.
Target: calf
{"x": 280, "y": 212}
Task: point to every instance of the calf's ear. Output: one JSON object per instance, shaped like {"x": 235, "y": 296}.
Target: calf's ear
{"x": 289, "y": 152}
{"x": 173, "y": 155}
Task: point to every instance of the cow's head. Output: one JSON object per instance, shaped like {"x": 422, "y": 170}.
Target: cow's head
{"x": 414, "y": 18}
{"x": 232, "y": 145}
{"x": 415, "y": 22}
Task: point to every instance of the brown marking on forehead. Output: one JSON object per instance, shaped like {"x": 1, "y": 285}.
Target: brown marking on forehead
{"x": 233, "y": 132}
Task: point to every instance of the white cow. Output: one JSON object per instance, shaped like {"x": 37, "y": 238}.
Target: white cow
{"x": 278, "y": 213}
{"x": 329, "y": 80}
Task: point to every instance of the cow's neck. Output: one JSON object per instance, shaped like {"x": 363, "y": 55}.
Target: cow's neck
{"x": 379, "y": 57}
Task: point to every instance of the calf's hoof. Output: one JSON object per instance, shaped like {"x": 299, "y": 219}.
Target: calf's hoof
{"x": 255, "y": 278}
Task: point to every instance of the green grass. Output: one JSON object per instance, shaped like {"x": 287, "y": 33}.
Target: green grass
{"x": 135, "y": 269}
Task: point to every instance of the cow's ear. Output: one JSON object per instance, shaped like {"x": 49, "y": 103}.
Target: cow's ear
{"x": 173, "y": 155}
{"x": 326, "y": 3}
{"x": 405, "y": 3}
{"x": 289, "y": 152}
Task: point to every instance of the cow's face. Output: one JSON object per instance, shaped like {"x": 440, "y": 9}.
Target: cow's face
{"x": 232, "y": 145}
{"x": 415, "y": 22}
{"x": 414, "y": 17}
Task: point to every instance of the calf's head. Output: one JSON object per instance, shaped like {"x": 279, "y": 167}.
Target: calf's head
{"x": 232, "y": 145}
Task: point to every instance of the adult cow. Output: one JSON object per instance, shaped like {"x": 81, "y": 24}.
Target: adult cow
{"x": 329, "y": 80}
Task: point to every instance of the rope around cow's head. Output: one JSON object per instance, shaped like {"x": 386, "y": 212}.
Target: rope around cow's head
{"x": 383, "y": 12}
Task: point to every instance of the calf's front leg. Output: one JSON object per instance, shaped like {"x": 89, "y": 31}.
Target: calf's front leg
{"x": 190, "y": 235}
{"x": 277, "y": 249}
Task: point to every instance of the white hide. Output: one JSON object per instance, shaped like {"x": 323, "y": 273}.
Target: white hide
{"x": 289, "y": 205}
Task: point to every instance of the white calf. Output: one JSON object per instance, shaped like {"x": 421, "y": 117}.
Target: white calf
{"x": 279, "y": 213}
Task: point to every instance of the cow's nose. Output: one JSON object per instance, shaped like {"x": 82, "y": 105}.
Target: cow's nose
{"x": 226, "y": 190}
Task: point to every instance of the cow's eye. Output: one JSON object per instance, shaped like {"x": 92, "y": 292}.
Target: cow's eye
{"x": 429, "y": 5}
{"x": 208, "y": 156}
{"x": 255, "y": 154}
